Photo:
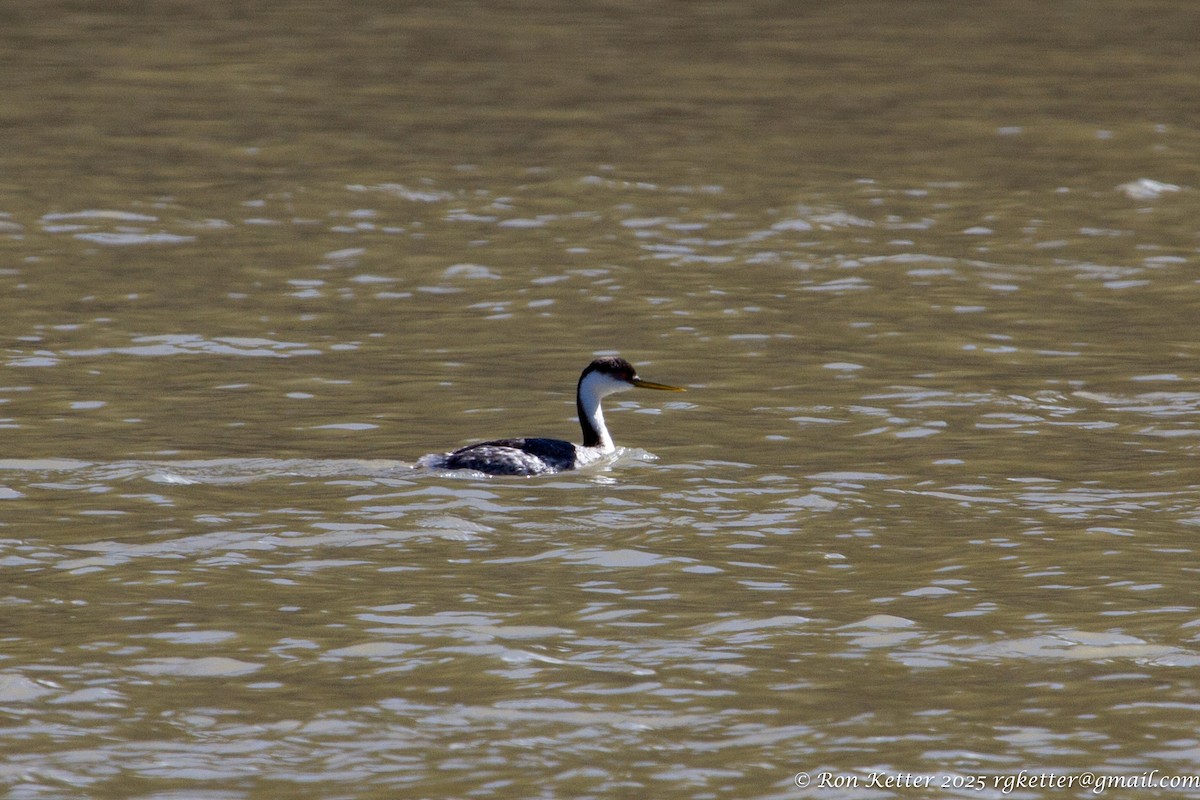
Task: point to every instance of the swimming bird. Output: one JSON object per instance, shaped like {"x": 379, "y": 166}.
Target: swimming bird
{"x": 535, "y": 456}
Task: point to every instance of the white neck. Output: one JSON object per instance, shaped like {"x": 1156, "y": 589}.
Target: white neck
{"x": 592, "y": 389}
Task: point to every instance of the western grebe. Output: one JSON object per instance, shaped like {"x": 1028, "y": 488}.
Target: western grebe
{"x": 603, "y": 377}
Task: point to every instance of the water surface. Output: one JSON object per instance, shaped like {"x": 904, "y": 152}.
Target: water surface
{"x": 927, "y": 506}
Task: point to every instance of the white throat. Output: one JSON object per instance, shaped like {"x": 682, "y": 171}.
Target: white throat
{"x": 592, "y": 389}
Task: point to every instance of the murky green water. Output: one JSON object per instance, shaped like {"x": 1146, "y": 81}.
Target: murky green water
{"x": 929, "y": 507}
